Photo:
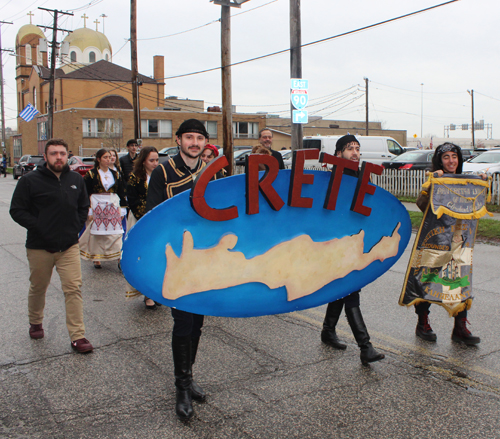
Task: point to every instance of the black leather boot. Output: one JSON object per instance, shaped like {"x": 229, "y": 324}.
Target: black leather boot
{"x": 423, "y": 329}
{"x": 358, "y": 327}
{"x": 328, "y": 334}
{"x": 181, "y": 349}
{"x": 197, "y": 392}
{"x": 461, "y": 334}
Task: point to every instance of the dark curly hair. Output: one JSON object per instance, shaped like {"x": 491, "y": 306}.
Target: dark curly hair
{"x": 437, "y": 162}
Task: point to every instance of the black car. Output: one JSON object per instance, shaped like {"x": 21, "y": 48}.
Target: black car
{"x": 26, "y": 164}
{"x": 421, "y": 159}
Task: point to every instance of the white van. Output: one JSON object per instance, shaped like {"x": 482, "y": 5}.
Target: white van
{"x": 374, "y": 149}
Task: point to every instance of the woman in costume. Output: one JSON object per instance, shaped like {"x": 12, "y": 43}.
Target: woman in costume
{"x": 446, "y": 160}
{"x": 137, "y": 191}
{"x": 115, "y": 162}
{"x": 102, "y": 240}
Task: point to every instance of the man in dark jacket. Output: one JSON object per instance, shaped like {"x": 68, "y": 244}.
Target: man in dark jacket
{"x": 266, "y": 140}
{"x": 168, "y": 179}
{"x": 127, "y": 161}
{"x": 52, "y": 204}
{"x": 347, "y": 147}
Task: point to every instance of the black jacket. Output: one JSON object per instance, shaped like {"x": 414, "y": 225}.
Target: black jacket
{"x": 171, "y": 178}
{"x": 53, "y": 209}
{"x": 277, "y": 155}
{"x": 127, "y": 165}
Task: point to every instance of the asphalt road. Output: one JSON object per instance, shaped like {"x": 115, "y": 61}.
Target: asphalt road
{"x": 267, "y": 377}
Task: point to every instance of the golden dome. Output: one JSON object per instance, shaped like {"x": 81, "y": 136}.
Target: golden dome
{"x": 85, "y": 37}
{"x": 28, "y": 29}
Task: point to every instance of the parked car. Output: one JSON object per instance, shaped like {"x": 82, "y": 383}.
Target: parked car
{"x": 468, "y": 153}
{"x": 26, "y": 164}
{"x": 411, "y": 160}
{"x": 171, "y": 151}
{"x": 486, "y": 163}
{"x": 240, "y": 156}
{"x": 81, "y": 164}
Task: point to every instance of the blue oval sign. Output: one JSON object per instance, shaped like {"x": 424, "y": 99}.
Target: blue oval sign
{"x": 270, "y": 260}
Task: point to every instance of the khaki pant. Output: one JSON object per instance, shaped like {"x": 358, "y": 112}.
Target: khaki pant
{"x": 68, "y": 267}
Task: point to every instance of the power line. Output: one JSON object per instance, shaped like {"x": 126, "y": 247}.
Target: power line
{"x": 203, "y": 25}
{"x": 279, "y": 52}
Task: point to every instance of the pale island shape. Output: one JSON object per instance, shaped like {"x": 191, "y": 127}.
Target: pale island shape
{"x": 300, "y": 264}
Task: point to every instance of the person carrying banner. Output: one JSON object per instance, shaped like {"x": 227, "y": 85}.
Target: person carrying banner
{"x": 168, "y": 179}
{"x": 446, "y": 160}
{"x": 348, "y": 147}
{"x": 137, "y": 191}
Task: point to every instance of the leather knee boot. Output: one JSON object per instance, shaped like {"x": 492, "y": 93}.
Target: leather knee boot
{"x": 328, "y": 334}
{"x": 197, "y": 392}
{"x": 181, "y": 349}
{"x": 358, "y": 327}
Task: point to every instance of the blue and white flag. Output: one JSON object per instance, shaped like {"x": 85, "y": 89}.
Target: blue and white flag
{"x": 28, "y": 113}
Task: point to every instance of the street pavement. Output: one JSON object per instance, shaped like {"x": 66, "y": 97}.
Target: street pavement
{"x": 267, "y": 377}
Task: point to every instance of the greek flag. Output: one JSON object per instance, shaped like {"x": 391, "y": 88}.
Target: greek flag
{"x": 28, "y": 113}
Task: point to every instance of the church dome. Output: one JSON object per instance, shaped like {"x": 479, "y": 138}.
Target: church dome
{"x": 87, "y": 46}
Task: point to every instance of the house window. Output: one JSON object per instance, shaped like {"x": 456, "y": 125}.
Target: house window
{"x": 35, "y": 103}
{"x": 42, "y": 130}
{"x": 246, "y": 130}
{"x": 156, "y": 128}
{"x": 91, "y": 56}
{"x": 211, "y": 127}
{"x": 102, "y": 128}
{"x": 72, "y": 56}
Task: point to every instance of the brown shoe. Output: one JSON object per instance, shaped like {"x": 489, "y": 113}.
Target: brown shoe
{"x": 82, "y": 346}
{"x": 36, "y": 331}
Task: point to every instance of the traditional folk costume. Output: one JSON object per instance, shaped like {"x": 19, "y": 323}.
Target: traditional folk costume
{"x": 440, "y": 267}
{"x": 169, "y": 179}
{"x": 102, "y": 239}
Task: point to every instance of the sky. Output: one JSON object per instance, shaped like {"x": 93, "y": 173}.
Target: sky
{"x": 449, "y": 49}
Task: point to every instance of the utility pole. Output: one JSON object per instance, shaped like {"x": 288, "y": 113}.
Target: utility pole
{"x": 366, "y": 96}
{"x": 421, "y": 110}
{"x": 133, "y": 54}
{"x": 295, "y": 65}
{"x": 50, "y": 117}
{"x": 1, "y": 85}
{"x": 227, "y": 99}
{"x": 471, "y": 92}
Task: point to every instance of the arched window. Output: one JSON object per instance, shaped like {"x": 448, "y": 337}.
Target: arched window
{"x": 91, "y": 56}
{"x": 28, "y": 54}
{"x": 72, "y": 56}
{"x": 34, "y": 98}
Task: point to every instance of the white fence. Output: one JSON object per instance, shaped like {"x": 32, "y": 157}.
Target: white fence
{"x": 407, "y": 183}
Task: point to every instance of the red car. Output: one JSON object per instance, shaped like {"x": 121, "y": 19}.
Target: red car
{"x": 81, "y": 164}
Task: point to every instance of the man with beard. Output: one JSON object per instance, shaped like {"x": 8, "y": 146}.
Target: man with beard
{"x": 168, "y": 179}
{"x": 52, "y": 204}
{"x": 266, "y": 140}
{"x": 347, "y": 147}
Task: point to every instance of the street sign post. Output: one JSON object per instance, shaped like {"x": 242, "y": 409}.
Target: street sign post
{"x": 300, "y": 99}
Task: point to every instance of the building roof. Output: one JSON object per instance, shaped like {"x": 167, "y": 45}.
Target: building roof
{"x": 85, "y": 37}
{"x": 99, "y": 71}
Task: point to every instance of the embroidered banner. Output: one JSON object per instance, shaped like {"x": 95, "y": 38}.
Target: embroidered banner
{"x": 440, "y": 267}
{"x": 107, "y": 214}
